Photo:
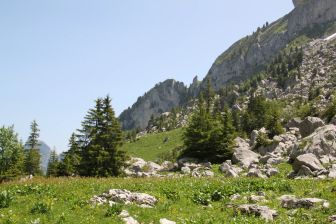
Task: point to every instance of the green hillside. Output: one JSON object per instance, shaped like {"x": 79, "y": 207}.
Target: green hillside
{"x": 152, "y": 146}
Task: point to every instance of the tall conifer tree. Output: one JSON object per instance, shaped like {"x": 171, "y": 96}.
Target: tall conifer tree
{"x": 53, "y": 164}
{"x": 100, "y": 140}
{"x": 33, "y": 156}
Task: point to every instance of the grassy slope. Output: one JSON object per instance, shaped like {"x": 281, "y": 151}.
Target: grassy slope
{"x": 151, "y": 146}
{"x": 68, "y": 199}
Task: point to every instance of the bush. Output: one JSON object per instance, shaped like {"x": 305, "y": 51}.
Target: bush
{"x": 5, "y": 199}
{"x": 202, "y": 198}
{"x": 41, "y": 208}
{"x": 114, "y": 210}
{"x": 263, "y": 140}
{"x": 330, "y": 112}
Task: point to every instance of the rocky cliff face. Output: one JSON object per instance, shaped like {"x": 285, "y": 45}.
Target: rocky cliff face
{"x": 162, "y": 98}
{"x": 309, "y": 20}
{"x": 247, "y": 56}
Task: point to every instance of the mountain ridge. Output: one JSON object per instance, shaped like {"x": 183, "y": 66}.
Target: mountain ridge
{"x": 245, "y": 58}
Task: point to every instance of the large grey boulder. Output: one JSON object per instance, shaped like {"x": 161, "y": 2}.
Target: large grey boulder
{"x": 244, "y": 157}
{"x": 309, "y": 160}
{"x": 229, "y": 170}
{"x": 125, "y": 197}
{"x": 332, "y": 172}
{"x": 321, "y": 143}
{"x": 294, "y": 123}
{"x": 309, "y": 125}
{"x": 291, "y": 202}
{"x": 263, "y": 211}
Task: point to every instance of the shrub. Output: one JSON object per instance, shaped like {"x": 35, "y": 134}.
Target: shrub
{"x": 114, "y": 210}
{"x": 41, "y": 208}
{"x": 202, "y": 198}
{"x": 330, "y": 112}
{"x": 5, "y": 199}
{"x": 263, "y": 140}
{"x": 171, "y": 194}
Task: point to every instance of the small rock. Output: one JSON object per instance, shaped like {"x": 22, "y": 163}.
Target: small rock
{"x": 256, "y": 198}
{"x": 332, "y": 218}
{"x": 124, "y": 214}
{"x": 185, "y": 170}
{"x": 272, "y": 172}
{"x": 235, "y": 197}
{"x": 130, "y": 220}
{"x": 166, "y": 221}
{"x": 255, "y": 173}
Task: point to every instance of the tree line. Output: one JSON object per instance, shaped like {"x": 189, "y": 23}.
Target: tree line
{"x": 93, "y": 151}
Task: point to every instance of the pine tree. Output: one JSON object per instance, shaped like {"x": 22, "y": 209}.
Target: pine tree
{"x": 53, "y": 164}
{"x": 33, "y": 157}
{"x": 100, "y": 139}
{"x": 202, "y": 134}
{"x": 228, "y": 135}
{"x": 71, "y": 159}
{"x": 11, "y": 153}
{"x": 209, "y": 94}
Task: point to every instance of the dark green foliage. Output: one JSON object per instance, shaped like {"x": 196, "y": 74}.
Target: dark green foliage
{"x": 53, "y": 164}
{"x": 71, "y": 159}
{"x": 227, "y": 134}
{"x": 114, "y": 210}
{"x": 11, "y": 153}
{"x": 171, "y": 155}
{"x": 40, "y": 208}
{"x": 100, "y": 139}
{"x": 285, "y": 66}
{"x": 262, "y": 113}
{"x": 262, "y": 140}
{"x": 330, "y": 112}
{"x": 5, "y": 199}
{"x": 202, "y": 198}
{"x": 304, "y": 110}
{"x": 200, "y": 131}
{"x": 33, "y": 157}
{"x": 209, "y": 135}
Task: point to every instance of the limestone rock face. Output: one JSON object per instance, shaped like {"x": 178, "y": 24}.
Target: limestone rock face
{"x": 309, "y": 125}
{"x": 244, "y": 57}
{"x": 299, "y": 2}
{"x": 162, "y": 98}
{"x": 322, "y": 143}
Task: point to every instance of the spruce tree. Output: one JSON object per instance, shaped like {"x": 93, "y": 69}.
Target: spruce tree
{"x": 69, "y": 166}
{"x": 209, "y": 94}
{"x": 100, "y": 139}
{"x": 53, "y": 164}
{"x": 33, "y": 157}
{"x": 202, "y": 134}
{"x": 227, "y": 135}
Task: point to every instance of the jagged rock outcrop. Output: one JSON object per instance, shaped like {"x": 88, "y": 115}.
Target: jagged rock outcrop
{"x": 321, "y": 143}
{"x": 247, "y": 56}
{"x": 162, "y": 98}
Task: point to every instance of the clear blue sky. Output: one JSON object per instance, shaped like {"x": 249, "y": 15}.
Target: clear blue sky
{"x": 57, "y": 56}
